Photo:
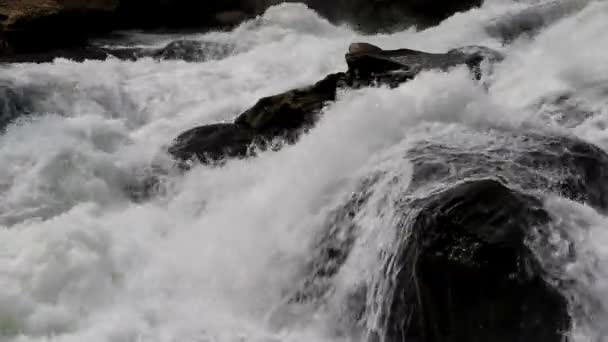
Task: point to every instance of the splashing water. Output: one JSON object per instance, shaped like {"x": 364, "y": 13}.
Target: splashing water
{"x": 214, "y": 256}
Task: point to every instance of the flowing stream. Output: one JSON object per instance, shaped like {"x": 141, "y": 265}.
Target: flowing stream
{"x": 215, "y": 253}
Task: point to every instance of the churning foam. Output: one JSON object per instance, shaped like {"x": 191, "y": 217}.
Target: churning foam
{"x": 212, "y": 257}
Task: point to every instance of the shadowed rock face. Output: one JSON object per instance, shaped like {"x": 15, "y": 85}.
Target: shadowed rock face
{"x": 36, "y": 25}
{"x": 466, "y": 274}
{"x": 286, "y": 115}
{"x": 384, "y": 15}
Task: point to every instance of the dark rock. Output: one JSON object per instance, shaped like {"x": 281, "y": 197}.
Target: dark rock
{"x": 287, "y": 115}
{"x": 566, "y": 166}
{"x": 462, "y": 267}
{"x": 397, "y": 66}
{"x": 40, "y": 25}
{"x": 387, "y": 15}
{"x": 466, "y": 274}
{"x": 212, "y": 143}
{"x": 152, "y": 14}
{"x": 282, "y": 116}
{"x": 357, "y": 48}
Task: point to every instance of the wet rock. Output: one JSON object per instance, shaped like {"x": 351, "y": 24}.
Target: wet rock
{"x": 464, "y": 272}
{"x": 368, "y": 63}
{"x": 282, "y": 116}
{"x": 356, "y": 48}
{"x": 192, "y": 51}
{"x": 287, "y": 115}
{"x": 462, "y": 267}
{"x": 530, "y": 20}
{"x": 212, "y": 143}
{"x": 562, "y": 165}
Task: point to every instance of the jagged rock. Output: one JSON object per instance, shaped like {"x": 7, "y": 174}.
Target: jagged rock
{"x": 286, "y": 115}
{"x": 296, "y": 109}
{"x": 280, "y": 116}
{"x": 369, "y": 63}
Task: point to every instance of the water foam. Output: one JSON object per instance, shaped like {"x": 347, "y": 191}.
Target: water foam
{"x": 213, "y": 257}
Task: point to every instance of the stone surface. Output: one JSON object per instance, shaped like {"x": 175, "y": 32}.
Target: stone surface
{"x": 287, "y": 115}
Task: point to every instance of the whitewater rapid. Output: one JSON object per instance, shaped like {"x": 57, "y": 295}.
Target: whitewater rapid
{"x": 212, "y": 256}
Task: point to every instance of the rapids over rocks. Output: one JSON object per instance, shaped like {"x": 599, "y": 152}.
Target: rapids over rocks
{"x": 269, "y": 183}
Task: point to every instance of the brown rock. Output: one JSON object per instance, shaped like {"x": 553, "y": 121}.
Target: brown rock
{"x": 29, "y": 25}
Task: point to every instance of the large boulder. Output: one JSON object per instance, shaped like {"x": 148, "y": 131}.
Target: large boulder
{"x": 367, "y": 62}
{"x": 463, "y": 272}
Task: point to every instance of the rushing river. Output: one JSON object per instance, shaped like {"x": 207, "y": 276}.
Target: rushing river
{"x": 214, "y": 254}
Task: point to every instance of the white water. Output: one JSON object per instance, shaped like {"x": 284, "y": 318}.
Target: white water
{"x": 213, "y": 258}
